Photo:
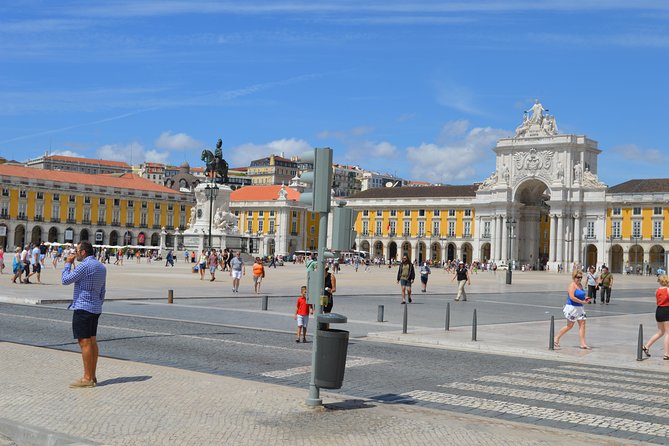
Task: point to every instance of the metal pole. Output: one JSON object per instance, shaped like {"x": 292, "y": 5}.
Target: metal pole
{"x": 170, "y": 296}
{"x": 639, "y": 344}
{"x": 448, "y": 316}
{"x": 474, "y": 326}
{"x": 551, "y": 340}
{"x": 314, "y": 392}
{"x": 211, "y": 203}
{"x": 264, "y": 303}
{"x": 405, "y": 319}
{"x": 379, "y": 314}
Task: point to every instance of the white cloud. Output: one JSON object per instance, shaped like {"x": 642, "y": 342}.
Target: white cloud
{"x": 367, "y": 150}
{"x": 177, "y": 141}
{"x": 67, "y": 153}
{"x": 242, "y": 155}
{"x": 345, "y": 134}
{"x": 457, "y": 97}
{"x": 132, "y": 153}
{"x": 457, "y": 158}
{"x": 632, "y": 152}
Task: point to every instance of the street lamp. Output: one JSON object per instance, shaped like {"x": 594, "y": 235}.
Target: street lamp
{"x": 210, "y": 191}
{"x": 510, "y": 226}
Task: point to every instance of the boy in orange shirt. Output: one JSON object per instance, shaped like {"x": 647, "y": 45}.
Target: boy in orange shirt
{"x": 302, "y": 312}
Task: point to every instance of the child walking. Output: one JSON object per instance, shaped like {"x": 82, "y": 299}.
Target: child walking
{"x": 302, "y": 312}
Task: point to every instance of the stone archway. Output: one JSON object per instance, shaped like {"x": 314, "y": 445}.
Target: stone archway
{"x": 616, "y": 259}
{"x": 271, "y": 247}
{"x": 436, "y": 252}
{"x": 36, "y": 235}
{"x": 20, "y": 236}
{"x": 485, "y": 253}
{"x": 4, "y": 230}
{"x": 450, "y": 252}
{"x": 528, "y": 240}
{"x": 155, "y": 239}
{"x": 364, "y": 247}
{"x": 467, "y": 253}
{"x": 392, "y": 251}
{"x": 406, "y": 250}
{"x": 127, "y": 238}
{"x": 421, "y": 253}
{"x": 113, "y": 238}
{"x": 590, "y": 256}
{"x": 53, "y": 234}
{"x": 635, "y": 257}
{"x": 656, "y": 257}
{"x": 84, "y": 235}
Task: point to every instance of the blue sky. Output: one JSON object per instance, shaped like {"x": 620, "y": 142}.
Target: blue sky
{"x": 419, "y": 89}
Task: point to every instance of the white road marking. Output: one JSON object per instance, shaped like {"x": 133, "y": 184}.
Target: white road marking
{"x": 351, "y": 361}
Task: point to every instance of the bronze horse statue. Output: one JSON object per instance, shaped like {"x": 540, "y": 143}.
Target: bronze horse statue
{"x": 217, "y": 167}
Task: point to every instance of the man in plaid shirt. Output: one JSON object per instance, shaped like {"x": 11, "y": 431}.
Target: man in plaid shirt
{"x": 89, "y": 279}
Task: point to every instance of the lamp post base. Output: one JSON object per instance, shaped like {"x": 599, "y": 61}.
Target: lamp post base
{"x": 509, "y": 274}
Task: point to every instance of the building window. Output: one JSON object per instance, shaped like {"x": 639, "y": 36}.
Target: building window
{"x": 249, "y": 214}
{"x": 72, "y": 198}
{"x": 421, "y": 228}
{"x": 271, "y": 227}
{"x": 170, "y": 220}
{"x": 101, "y": 215}
{"x": 451, "y": 228}
{"x": 365, "y": 228}
{"x": 87, "y": 200}
{"x": 436, "y": 228}
{"x": 657, "y": 229}
{"x": 87, "y": 214}
{"x": 365, "y": 213}
{"x": 407, "y": 228}
{"x": 4, "y": 208}
{"x": 451, "y": 212}
{"x": 102, "y": 201}
{"x": 261, "y": 213}
{"x": 144, "y": 204}
{"x": 22, "y": 210}
{"x": 393, "y": 212}
{"x": 22, "y": 193}
{"x": 117, "y": 202}
{"x": 170, "y": 207}
{"x": 40, "y": 195}
{"x": 436, "y": 213}
{"x": 393, "y": 227}
{"x": 378, "y": 228}
{"x": 294, "y": 214}
{"x": 615, "y": 229}
{"x": 590, "y": 229}
{"x": 156, "y": 205}
{"x": 293, "y": 228}
{"x": 636, "y": 229}
{"x": 5, "y": 192}
{"x": 271, "y": 213}
{"x": 486, "y": 229}
{"x": 70, "y": 213}
{"x": 616, "y": 211}
{"x": 156, "y": 218}
{"x": 131, "y": 203}
{"x": 130, "y": 216}
{"x": 407, "y": 213}
{"x": 468, "y": 212}
{"x": 55, "y": 211}
{"x": 379, "y": 213}
{"x": 657, "y": 211}
{"x": 467, "y": 228}
{"x": 421, "y": 212}
{"x": 39, "y": 210}
{"x": 56, "y": 197}
{"x": 636, "y": 211}
{"x": 116, "y": 216}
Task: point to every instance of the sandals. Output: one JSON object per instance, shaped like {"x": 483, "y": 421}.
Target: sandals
{"x": 645, "y": 350}
{"x": 556, "y": 343}
{"x": 585, "y": 347}
{"x": 665, "y": 357}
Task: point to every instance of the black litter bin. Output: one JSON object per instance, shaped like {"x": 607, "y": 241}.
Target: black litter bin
{"x": 331, "y": 354}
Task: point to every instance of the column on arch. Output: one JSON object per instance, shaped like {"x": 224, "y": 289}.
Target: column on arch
{"x": 577, "y": 239}
{"x": 560, "y": 239}
{"x": 551, "y": 241}
{"x": 505, "y": 240}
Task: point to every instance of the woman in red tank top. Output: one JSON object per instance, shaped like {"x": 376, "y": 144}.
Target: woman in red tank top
{"x": 661, "y": 316}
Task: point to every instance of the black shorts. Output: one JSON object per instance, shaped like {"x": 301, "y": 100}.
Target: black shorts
{"x": 662, "y": 314}
{"x": 37, "y": 267}
{"x": 423, "y": 279}
{"x": 84, "y": 324}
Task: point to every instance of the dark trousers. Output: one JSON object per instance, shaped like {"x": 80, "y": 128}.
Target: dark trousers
{"x": 606, "y": 294}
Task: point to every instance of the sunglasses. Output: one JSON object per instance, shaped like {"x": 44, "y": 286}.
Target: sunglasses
{"x": 579, "y": 277}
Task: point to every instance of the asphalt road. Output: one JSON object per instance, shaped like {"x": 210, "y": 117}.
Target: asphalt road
{"x": 526, "y": 390}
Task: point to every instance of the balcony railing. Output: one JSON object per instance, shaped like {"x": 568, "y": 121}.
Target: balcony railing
{"x": 55, "y": 220}
{"x": 143, "y": 225}
{"x": 293, "y": 233}
{"x": 86, "y": 222}
{"x": 169, "y": 228}
{"x": 101, "y": 223}
{"x": 38, "y": 218}
{"x": 22, "y": 217}
{"x": 156, "y": 226}
{"x": 72, "y": 221}
{"x": 129, "y": 225}
{"x": 115, "y": 222}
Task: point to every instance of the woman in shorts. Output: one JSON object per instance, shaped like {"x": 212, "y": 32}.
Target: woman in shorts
{"x": 202, "y": 264}
{"x": 661, "y": 317}
{"x": 573, "y": 310}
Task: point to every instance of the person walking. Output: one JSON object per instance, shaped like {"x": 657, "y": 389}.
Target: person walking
{"x": 302, "y": 312}
{"x": 592, "y": 279}
{"x": 17, "y": 265}
{"x": 202, "y": 265}
{"x": 405, "y": 277}
{"x": 462, "y": 274}
{"x": 237, "y": 270}
{"x": 329, "y": 288}
{"x": 2, "y": 260}
{"x": 212, "y": 262}
{"x": 170, "y": 258}
{"x": 573, "y": 310}
{"x": 605, "y": 284}
{"x": 89, "y": 279}
{"x": 424, "y": 272}
{"x": 661, "y": 317}
{"x": 258, "y": 274}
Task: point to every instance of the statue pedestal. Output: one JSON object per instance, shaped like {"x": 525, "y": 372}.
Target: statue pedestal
{"x": 214, "y": 212}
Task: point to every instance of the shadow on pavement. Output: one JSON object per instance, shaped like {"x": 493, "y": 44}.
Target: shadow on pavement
{"x": 124, "y": 380}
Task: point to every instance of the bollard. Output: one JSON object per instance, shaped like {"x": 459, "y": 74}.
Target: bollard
{"x": 639, "y": 344}
{"x": 379, "y": 314}
{"x": 405, "y": 319}
{"x": 474, "y": 326}
{"x": 551, "y": 341}
{"x": 170, "y": 296}
{"x": 448, "y": 316}
{"x": 264, "y": 303}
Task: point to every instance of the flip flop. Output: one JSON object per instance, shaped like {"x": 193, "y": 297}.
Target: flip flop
{"x": 585, "y": 347}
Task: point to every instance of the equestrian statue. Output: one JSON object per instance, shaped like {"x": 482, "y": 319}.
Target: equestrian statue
{"x": 217, "y": 167}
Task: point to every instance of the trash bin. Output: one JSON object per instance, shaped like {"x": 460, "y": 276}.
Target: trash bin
{"x": 331, "y": 354}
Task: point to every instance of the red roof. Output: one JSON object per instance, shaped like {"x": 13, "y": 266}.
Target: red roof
{"x": 74, "y": 159}
{"x": 124, "y": 181}
{"x": 262, "y": 193}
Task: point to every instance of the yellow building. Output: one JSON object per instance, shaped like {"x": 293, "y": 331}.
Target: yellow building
{"x": 120, "y": 209}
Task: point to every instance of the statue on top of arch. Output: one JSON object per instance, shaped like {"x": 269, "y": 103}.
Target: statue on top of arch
{"x": 535, "y": 123}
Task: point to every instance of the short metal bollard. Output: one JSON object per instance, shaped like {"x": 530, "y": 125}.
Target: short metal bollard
{"x": 474, "y": 326}
{"x": 639, "y": 344}
{"x": 379, "y": 314}
{"x": 551, "y": 335}
{"x": 405, "y": 319}
{"x": 448, "y": 316}
{"x": 264, "y": 303}
{"x": 170, "y": 296}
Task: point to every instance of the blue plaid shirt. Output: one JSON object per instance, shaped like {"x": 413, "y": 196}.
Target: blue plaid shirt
{"x": 89, "y": 279}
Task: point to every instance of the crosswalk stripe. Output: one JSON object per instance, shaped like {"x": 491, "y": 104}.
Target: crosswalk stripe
{"x": 351, "y": 361}
{"x": 606, "y": 378}
{"x": 575, "y": 387}
{"x": 575, "y": 379}
{"x": 618, "y": 371}
{"x": 525, "y": 410}
{"x": 557, "y": 398}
